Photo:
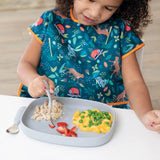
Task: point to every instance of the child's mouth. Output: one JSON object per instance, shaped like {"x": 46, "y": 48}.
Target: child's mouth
{"x": 88, "y": 20}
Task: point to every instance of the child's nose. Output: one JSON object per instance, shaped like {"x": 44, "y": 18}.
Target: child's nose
{"x": 95, "y": 12}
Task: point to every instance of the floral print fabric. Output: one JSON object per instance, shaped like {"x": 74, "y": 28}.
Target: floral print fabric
{"x": 84, "y": 61}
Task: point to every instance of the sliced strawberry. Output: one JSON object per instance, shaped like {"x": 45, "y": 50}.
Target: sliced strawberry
{"x": 73, "y": 134}
{"x": 73, "y": 129}
{"x": 67, "y": 132}
{"x": 52, "y": 126}
{"x": 62, "y": 124}
{"x": 61, "y": 130}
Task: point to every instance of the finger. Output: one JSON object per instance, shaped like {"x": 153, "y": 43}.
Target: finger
{"x": 156, "y": 121}
{"x": 50, "y": 83}
{"x": 151, "y": 127}
{"x": 41, "y": 92}
{"x": 51, "y": 86}
{"x": 157, "y": 128}
{"x": 157, "y": 115}
{"x": 157, "y": 112}
{"x": 43, "y": 84}
{"x": 41, "y": 88}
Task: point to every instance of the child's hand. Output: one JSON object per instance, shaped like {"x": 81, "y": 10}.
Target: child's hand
{"x": 37, "y": 87}
{"x": 151, "y": 120}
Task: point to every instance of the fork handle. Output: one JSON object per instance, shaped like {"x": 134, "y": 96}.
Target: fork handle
{"x": 48, "y": 93}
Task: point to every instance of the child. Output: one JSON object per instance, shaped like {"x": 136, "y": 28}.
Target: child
{"x": 83, "y": 48}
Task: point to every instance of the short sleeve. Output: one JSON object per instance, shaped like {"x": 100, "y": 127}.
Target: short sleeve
{"x": 129, "y": 41}
{"x": 39, "y": 28}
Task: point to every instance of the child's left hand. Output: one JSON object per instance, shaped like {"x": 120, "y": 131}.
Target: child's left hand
{"x": 151, "y": 120}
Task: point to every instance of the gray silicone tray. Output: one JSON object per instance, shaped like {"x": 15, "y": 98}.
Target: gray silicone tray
{"x": 41, "y": 131}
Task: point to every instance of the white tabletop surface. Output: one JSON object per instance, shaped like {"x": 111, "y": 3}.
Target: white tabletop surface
{"x": 130, "y": 141}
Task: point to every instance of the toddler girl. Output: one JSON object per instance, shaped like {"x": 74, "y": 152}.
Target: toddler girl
{"x": 86, "y": 49}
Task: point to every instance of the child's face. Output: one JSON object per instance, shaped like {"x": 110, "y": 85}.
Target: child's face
{"x": 90, "y": 12}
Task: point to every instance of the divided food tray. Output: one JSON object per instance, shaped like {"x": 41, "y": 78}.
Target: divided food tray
{"x": 40, "y": 130}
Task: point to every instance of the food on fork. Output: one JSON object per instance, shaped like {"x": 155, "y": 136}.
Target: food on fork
{"x": 44, "y": 112}
{"x": 93, "y": 120}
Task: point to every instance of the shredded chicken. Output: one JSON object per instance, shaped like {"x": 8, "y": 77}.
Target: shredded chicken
{"x": 44, "y": 112}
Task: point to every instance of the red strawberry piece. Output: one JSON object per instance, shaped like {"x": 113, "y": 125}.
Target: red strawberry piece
{"x": 62, "y": 124}
{"x": 67, "y": 132}
{"x": 61, "y": 130}
{"x": 52, "y": 126}
{"x": 73, "y": 134}
{"x": 74, "y": 128}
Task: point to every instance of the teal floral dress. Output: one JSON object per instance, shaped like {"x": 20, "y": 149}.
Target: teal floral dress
{"x": 84, "y": 61}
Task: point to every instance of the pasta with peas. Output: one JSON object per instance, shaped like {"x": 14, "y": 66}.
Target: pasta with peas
{"x": 93, "y": 120}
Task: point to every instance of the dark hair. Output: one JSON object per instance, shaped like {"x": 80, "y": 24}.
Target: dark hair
{"x": 135, "y": 12}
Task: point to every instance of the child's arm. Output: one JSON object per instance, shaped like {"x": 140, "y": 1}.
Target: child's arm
{"x": 137, "y": 92}
{"x": 27, "y": 70}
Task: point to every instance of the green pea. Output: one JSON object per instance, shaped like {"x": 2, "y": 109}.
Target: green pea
{"x": 103, "y": 117}
{"x": 80, "y": 121}
{"x": 106, "y": 113}
{"x": 108, "y": 117}
{"x": 89, "y": 111}
{"x": 95, "y": 119}
{"x": 89, "y": 125}
{"x": 89, "y": 115}
{"x": 100, "y": 121}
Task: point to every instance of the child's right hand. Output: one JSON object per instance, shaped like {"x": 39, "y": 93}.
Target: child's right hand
{"x": 37, "y": 87}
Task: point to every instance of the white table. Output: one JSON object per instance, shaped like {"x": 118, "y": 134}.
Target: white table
{"x": 131, "y": 141}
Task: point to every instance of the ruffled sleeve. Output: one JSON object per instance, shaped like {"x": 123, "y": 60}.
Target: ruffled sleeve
{"x": 129, "y": 41}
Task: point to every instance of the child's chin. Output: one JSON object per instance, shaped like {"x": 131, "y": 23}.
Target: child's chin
{"x": 87, "y": 24}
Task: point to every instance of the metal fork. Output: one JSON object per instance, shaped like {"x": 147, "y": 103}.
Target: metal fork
{"x": 49, "y": 99}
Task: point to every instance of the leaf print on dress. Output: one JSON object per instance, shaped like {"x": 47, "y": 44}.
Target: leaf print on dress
{"x": 50, "y": 48}
{"x": 81, "y": 46}
{"x": 128, "y": 48}
{"x": 62, "y": 68}
{"x": 94, "y": 39}
{"x": 108, "y": 92}
{"x": 56, "y": 91}
{"x": 54, "y": 69}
